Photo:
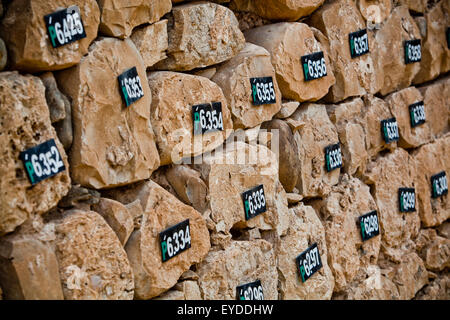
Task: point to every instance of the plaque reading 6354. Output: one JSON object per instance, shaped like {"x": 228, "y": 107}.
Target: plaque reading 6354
{"x": 254, "y": 202}
{"x": 309, "y": 262}
{"x": 175, "y": 240}
{"x": 65, "y": 26}
{"x": 207, "y": 117}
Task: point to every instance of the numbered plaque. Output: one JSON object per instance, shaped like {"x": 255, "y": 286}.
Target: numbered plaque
{"x": 130, "y": 86}
{"x": 207, "y": 117}
{"x": 417, "y": 114}
{"x": 314, "y": 66}
{"x": 263, "y": 91}
{"x": 309, "y": 262}
{"x": 42, "y": 161}
{"x": 369, "y": 225}
{"x": 407, "y": 199}
{"x": 359, "y": 43}
{"x": 254, "y": 202}
{"x": 65, "y": 26}
{"x": 175, "y": 240}
{"x": 250, "y": 291}
{"x": 389, "y": 128}
{"x": 413, "y": 51}
{"x": 333, "y": 157}
{"x": 439, "y": 185}
{"x": 448, "y": 37}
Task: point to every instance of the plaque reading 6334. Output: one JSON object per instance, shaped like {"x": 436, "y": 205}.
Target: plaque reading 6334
{"x": 175, "y": 240}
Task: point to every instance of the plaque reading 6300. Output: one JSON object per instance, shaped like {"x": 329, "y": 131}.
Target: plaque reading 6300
{"x": 309, "y": 262}
{"x": 175, "y": 240}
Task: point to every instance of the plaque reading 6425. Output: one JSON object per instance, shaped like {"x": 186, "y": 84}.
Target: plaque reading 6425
{"x": 254, "y": 202}
{"x": 333, "y": 157}
{"x": 413, "y": 51}
{"x": 309, "y": 262}
{"x": 263, "y": 91}
{"x": 130, "y": 86}
{"x": 407, "y": 199}
{"x": 439, "y": 185}
{"x": 250, "y": 291}
{"x": 175, "y": 240}
{"x": 314, "y": 66}
{"x": 65, "y": 26}
{"x": 369, "y": 225}
{"x": 207, "y": 117}
{"x": 389, "y": 128}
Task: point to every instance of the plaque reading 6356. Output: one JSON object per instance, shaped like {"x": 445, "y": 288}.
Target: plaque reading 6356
{"x": 254, "y": 202}
{"x": 175, "y": 240}
{"x": 250, "y": 291}
{"x": 314, "y": 66}
{"x": 369, "y": 225}
{"x": 407, "y": 199}
{"x": 207, "y": 117}
{"x": 65, "y": 26}
{"x": 309, "y": 262}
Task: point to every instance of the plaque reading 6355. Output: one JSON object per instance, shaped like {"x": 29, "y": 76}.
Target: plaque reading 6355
{"x": 65, "y": 26}
{"x": 309, "y": 262}
{"x": 263, "y": 91}
{"x": 254, "y": 202}
{"x": 175, "y": 240}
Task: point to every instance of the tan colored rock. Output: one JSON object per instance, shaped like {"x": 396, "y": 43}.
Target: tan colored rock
{"x": 287, "y": 109}
{"x": 174, "y": 95}
{"x": 433, "y": 249}
{"x": 348, "y": 256}
{"x": 386, "y": 175}
{"x": 312, "y": 139}
{"x": 29, "y": 46}
{"x": 152, "y": 42}
{"x": 289, "y": 10}
{"x": 413, "y": 5}
{"x": 376, "y": 110}
{"x": 350, "y": 120}
{"x": 435, "y": 53}
{"x": 304, "y": 230}
{"x": 438, "y": 289}
{"x": 201, "y": 34}
{"x": 287, "y": 43}
{"x": 375, "y": 11}
{"x": 185, "y": 290}
{"x": 92, "y": 263}
{"x": 399, "y": 103}
{"x": 118, "y": 18}
{"x": 233, "y": 77}
{"x": 444, "y": 230}
{"x": 113, "y": 145}
{"x": 117, "y": 216}
{"x": 206, "y": 72}
{"x": 3, "y": 55}
{"x": 249, "y": 20}
{"x": 354, "y": 77}
{"x": 240, "y": 263}
{"x": 29, "y": 269}
{"x": 80, "y": 198}
{"x": 161, "y": 210}
{"x": 389, "y": 46}
{"x": 25, "y": 123}
{"x": 432, "y": 159}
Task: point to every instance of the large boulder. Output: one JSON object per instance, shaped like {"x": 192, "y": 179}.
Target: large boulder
{"x": 152, "y": 42}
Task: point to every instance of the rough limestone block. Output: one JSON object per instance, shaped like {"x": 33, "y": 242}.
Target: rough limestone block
{"x": 290, "y": 10}
{"x": 3, "y": 55}
{"x": 399, "y": 103}
{"x": 418, "y": 6}
{"x": 233, "y": 77}
{"x": 437, "y": 289}
{"x": 348, "y": 256}
{"x": 25, "y": 123}
{"x": 389, "y": 46}
{"x": 354, "y": 77}
{"x": 113, "y": 145}
{"x": 287, "y": 43}
{"x": 117, "y": 216}
{"x": 173, "y": 96}
{"x": 119, "y": 17}
{"x": 29, "y": 269}
{"x": 317, "y": 133}
{"x": 201, "y": 34}
{"x": 92, "y": 262}
{"x": 287, "y": 109}
{"x": 350, "y": 120}
{"x": 376, "y": 110}
{"x": 432, "y": 159}
{"x": 375, "y": 11}
{"x": 29, "y": 46}
{"x": 152, "y": 42}
{"x": 433, "y": 249}
{"x": 240, "y": 263}
{"x": 161, "y": 210}
{"x": 185, "y": 290}
{"x": 386, "y": 175}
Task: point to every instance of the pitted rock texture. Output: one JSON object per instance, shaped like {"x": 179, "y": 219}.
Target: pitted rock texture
{"x": 375, "y": 11}
{"x": 152, "y": 42}
{"x": 434, "y": 250}
{"x": 437, "y": 289}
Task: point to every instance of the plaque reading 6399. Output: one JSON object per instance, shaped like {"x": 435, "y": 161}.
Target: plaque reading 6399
{"x": 175, "y": 240}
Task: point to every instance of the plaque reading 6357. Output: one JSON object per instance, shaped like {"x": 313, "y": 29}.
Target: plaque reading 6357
{"x": 175, "y": 240}
{"x": 65, "y": 26}
{"x": 309, "y": 262}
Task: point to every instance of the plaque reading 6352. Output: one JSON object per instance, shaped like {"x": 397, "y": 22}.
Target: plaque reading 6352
{"x": 309, "y": 262}
{"x": 254, "y": 202}
{"x": 175, "y": 240}
{"x": 314, "y": 66}
{"x": 65, "y": 26}
{"x": 369, "y": 225}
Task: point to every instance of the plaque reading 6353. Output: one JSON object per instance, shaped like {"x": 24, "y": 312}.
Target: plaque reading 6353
{"x": 309, "y": 262}
{"x": 175, "y": 240}
{"x": 65, "y": 26}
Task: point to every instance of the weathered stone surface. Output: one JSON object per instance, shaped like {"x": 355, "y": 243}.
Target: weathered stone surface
{"x": 413, "y": 5}
{"x": 249, "y": 20}
{"x": 399, "y": 103}
{"x": 444, "y": 230}
{"x": 120, "y": 17}
{"x": 290, "y": 10}
{"x": 389, "y": 45}
{"x": 29, "y": 269}
{"x": 376, "y": 110}
{"x": 348, "y": 255}
{"x": 201, "y": 34}
{"x": 435, "y": 53}
{"x": 185, "y": 290}
{"x": 304, "y": 230}
{"x": 288, "y": 158}
{"x": 438, "y": 289}
{"x": 92, "y": 263}
{"x": 287, "y": 109}
{"x": 354, "y": 77}
{"x": 350, "y": 121}
{"x": 117, "y": 216}
{"x": 174, "y": 94}
{"x": 386, "y": 175}
{"x": 240, "y": 263}
{"x": 161, "y": 210}
{"x": 29, "y": 46}
{"x": 113, "y": 145}
{"x": 375, "y": 11}
{"x": 312, "y": 139}
{"x": 432, "y": 159}
{"x": 152, "y": 42}
{"x": 233, "y": 77}
{"x": 433, "y": 249}
{"x": 25, "y": 123}
{"x": 287, "y": 43}
{"x": 80, "y": 198}
{"x": 3, "y": 55}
